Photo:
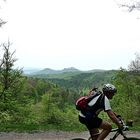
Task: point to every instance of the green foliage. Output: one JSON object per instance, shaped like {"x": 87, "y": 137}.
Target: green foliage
{"x": 51, "y": 112}
{"x": 4, "y": 117}
{"x": 126, "y": 102}
{"x": 30, "y": 103}
{"x": 79, "y": 80}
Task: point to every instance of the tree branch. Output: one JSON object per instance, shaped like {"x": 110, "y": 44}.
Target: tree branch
{"x": 130, "y": 5}
{"x": 2, "y": 22}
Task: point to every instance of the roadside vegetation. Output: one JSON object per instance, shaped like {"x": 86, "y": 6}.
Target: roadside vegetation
{"x": 35, "y": 103}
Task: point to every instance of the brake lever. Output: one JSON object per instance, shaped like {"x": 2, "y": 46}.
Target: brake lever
{"x": 123, "y": 123}
{"x": 125, "y": 128}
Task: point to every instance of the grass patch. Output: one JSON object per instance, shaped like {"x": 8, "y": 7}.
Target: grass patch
{"x": 24, "y": 127}
{"x": 135, "y": 128}
{"x": 35, "y": 127}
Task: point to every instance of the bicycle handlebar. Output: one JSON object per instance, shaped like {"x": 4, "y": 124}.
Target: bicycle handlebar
{"x": 125, "y": 128}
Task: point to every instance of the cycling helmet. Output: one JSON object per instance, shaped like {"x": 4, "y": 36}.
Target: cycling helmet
{"x": 109, "y": 88}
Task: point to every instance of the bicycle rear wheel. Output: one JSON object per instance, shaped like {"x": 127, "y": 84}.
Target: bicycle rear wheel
{"x": 132, "y": 138}
{"x": 78, "y": 139}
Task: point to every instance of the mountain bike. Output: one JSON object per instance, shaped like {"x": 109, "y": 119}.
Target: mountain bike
{"x": 118, "y": 132}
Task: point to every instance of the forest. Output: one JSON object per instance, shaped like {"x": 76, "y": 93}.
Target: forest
{"x": 30, "y": 103}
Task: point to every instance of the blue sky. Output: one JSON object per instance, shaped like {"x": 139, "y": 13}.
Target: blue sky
{"x": 71, "y": 33}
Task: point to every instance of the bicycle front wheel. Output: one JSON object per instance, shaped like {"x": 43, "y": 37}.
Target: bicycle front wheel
{"x": 132, "y": 138}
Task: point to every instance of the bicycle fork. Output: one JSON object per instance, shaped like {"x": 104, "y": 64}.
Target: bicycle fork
{"x": 118, "y": 133}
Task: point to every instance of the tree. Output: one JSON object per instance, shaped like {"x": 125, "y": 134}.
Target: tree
{"x": 10, "y": 79}
{"x": 129, "y": 4}
{"x": 134, "y": 65}
{"x": 2, "y": 22}
{"x": 127, "y": 82}
{"x": 129, "y": 95}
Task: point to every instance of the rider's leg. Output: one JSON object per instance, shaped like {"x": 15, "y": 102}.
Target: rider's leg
{"x": 106, "y": 130}
{"x": 94, "y": 133}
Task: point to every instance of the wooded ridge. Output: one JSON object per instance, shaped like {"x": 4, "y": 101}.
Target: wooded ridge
{"x": 39, "y": 102}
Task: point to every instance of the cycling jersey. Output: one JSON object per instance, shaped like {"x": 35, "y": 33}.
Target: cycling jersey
{"x": 97, "y": 106}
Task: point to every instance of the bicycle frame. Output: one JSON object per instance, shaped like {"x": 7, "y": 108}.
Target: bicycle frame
{"x": 118, "y": 132}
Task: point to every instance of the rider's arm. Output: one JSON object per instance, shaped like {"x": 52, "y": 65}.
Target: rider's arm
{"x": 111, "y": 114}
{"x": 113, "y": 117}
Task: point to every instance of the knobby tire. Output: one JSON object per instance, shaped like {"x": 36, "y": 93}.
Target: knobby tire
{"x": 132, "y": 138}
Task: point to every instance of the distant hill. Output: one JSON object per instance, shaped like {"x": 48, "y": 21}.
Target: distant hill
{"x": 83, "y": 79}
{"x": 51, "y": 71}
{"x": 74, "y": 78}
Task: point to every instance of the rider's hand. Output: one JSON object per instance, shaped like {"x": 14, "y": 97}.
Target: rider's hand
{"x": 118, "y": 116}
{"x": 120, "y": 126}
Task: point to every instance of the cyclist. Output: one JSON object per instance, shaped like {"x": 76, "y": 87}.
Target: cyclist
{"x": 90, "y": 117}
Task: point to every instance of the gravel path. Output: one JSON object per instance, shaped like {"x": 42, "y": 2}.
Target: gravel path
{"x": 53, "y": 135}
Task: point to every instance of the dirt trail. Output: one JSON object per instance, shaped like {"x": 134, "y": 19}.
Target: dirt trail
{"x": 54, "y": 135}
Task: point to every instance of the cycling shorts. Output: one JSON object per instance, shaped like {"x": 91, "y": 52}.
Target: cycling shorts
{"x": 95, "y": 122}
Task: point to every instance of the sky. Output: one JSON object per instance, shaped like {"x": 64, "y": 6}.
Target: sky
{"x": 57, "y": 34}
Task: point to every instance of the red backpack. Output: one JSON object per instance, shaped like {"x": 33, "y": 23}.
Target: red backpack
{"x": 82, "y": 102}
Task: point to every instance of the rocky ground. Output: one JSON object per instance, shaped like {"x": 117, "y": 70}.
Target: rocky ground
{"x": 54, "y": 135}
